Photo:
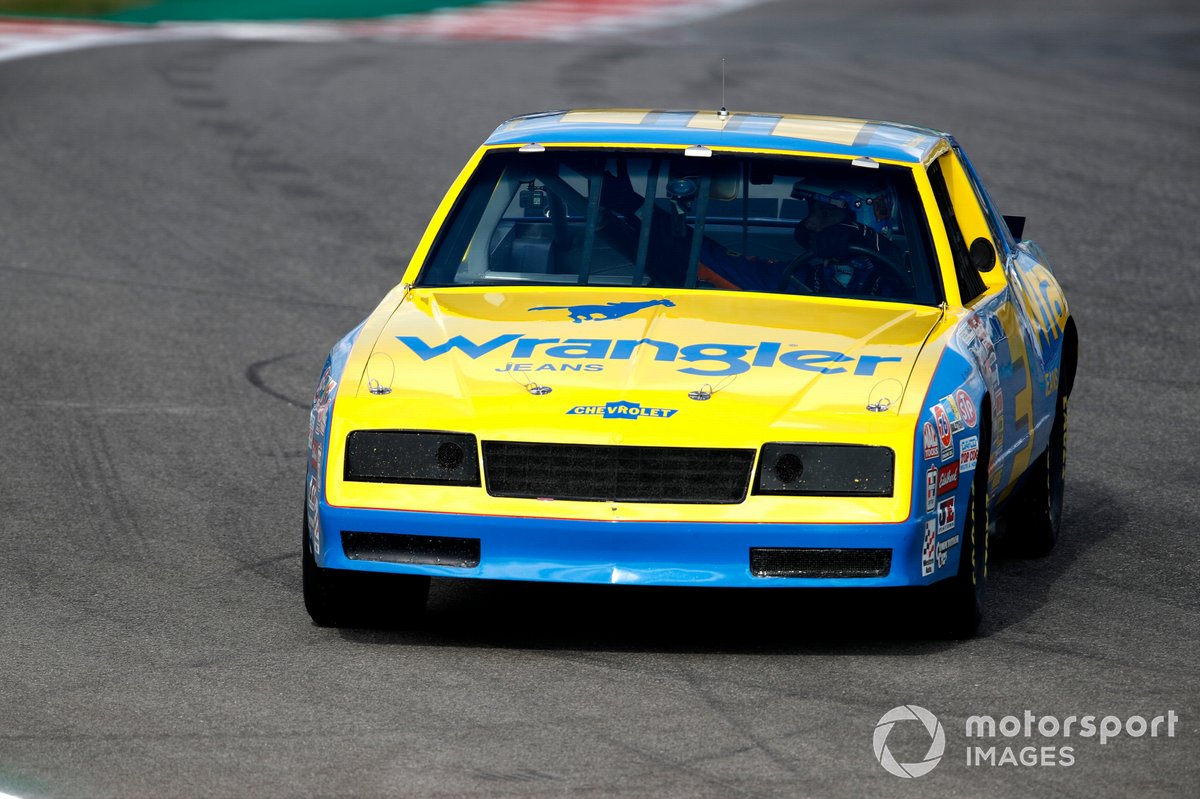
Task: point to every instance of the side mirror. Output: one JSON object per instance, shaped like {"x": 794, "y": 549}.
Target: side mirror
{"x": 1016, "y": 226}
{"x": 983, "y": 254}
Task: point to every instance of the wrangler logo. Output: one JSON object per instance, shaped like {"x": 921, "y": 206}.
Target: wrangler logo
{"x": 720, "y": 359}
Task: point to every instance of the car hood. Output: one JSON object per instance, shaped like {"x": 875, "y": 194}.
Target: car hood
{"x": 508, "y": 361}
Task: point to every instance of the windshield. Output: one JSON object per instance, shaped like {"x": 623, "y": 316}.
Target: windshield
{"x": 726, "y": 222}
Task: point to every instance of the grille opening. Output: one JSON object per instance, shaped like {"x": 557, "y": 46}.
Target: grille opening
{"x": 426, "y": 550}
{"x": 805, "y": 562}
{"x": 684, "y": 475}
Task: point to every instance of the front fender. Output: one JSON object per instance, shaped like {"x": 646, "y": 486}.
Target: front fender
{"x": 947, "y": 446}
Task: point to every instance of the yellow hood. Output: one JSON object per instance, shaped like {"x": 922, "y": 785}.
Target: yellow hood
{"x": 560, "y": 365}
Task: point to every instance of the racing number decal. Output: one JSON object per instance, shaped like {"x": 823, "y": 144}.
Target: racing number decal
{"x": 1041, "y": 295}
{"x": 1018, "y": 391}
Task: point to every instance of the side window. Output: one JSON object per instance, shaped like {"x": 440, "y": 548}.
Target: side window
{"x": 995, "y": 222}
{"x": 970, "y": 284}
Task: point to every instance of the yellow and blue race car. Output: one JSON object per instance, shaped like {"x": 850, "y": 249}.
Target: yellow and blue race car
{"x": 695, "y": 348}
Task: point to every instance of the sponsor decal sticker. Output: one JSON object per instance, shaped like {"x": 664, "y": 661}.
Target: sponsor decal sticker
{"x": 316, "y": 535}
{"x": 325, "y": 387}
{"x": 931, "y": 478}
{"x": 966, "y": 408}
{"x": 311, "y": 503}
{"x": 968, "y": 454}
{"x": 929, "y": 439}
{"x": 945, "y": 515}
{"x": 947, "y": 478}
{"x": 623, "y": 410}
{"x": 322, "y": 400}
{"x": 315, "y": 455}
{"x": 956, "y": 423}
{"x": 945, "y": 435}
{"x": 928, "y": 551}
{"x": 997, "y": 417}
{"x": 708, "y": 359}
{"x": 943, "y": 550}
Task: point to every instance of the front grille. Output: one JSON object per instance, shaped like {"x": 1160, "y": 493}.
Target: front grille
{"x": 796, "y": 562}
{"x": 426, "y": 550}
{"x": 688, "y": 475}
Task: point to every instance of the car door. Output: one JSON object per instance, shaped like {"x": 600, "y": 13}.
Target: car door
{"x": 1009, "y": 360}
{"x": 1039, "y": 303}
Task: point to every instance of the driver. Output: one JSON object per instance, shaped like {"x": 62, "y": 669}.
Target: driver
{"x": 833, "y": 255}
{"x": 838, "y": 255}
{"x": 837, "y": 250}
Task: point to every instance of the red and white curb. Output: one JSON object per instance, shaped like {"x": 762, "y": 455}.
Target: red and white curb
{"x": 514, "y": 20}
{"x": 554, "y": 20}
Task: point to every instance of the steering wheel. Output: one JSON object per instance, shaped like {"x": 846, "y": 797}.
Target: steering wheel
{"x": 793, "y": 279}
{"x": 892, "y": 270}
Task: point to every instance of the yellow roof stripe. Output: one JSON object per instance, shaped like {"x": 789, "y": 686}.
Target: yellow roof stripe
{"x": 829, "y": 129}
{"x": 606, "y": 117}
{"x": 707, "y": 120}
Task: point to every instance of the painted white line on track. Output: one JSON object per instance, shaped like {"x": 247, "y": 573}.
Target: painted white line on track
{"x": 512, "y": 20}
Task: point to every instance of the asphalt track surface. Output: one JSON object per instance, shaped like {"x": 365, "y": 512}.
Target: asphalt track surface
{"x": 186, "y": 228}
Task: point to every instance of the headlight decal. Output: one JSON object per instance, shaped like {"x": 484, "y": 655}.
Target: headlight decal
{"x": 828, "y": 470}
{"x": 420, "y": 457}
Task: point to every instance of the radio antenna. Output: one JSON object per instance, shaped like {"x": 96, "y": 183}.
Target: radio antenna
{"x": 723, "y": 113}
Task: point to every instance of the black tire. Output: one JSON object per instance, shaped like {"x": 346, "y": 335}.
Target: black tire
{"x": 1036, "y": 512}
{"x": 958, "y": 601}
{"x": 343, "y": 598}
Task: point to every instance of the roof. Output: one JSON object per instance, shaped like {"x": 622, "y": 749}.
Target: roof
{"x": 808, "y": 134}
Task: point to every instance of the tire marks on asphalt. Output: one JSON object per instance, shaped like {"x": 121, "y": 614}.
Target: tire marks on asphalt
{"x": 254, "y": 375}
{"x": 191, "y": 78}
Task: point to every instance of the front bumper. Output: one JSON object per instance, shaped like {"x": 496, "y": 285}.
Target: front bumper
{"x": 622, "y": 552}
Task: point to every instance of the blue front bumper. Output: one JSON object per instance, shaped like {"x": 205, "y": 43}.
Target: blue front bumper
{"x": 625, "y": 552}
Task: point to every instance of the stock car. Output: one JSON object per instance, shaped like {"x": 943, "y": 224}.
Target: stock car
{"x": 696, "y": 348}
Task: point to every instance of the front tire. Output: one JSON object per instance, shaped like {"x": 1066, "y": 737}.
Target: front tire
{"x": 344, "y": 598}
{"x": 1037, "y": 512}
{"x": 958, "y": 601}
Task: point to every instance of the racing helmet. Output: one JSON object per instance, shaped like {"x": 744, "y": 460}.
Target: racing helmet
{"x": 872, "y": 206}
{"x": 818, "y": 200}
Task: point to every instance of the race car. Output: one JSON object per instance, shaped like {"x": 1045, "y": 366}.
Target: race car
{"x": 696, "y": 348}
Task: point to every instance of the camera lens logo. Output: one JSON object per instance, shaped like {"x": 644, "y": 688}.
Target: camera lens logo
{"x": 936, "y": 747}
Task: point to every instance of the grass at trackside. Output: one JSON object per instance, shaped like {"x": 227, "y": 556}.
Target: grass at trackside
{"x": 208, "y": 10}
{"x": 67, "y": 8}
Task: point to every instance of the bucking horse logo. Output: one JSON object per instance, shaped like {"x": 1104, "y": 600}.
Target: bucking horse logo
{"x": 600, "y": 313}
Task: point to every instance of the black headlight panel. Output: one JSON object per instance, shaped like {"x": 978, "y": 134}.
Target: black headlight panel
{"x": 825, "y": 470}
{"x": 423, "y": 457}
